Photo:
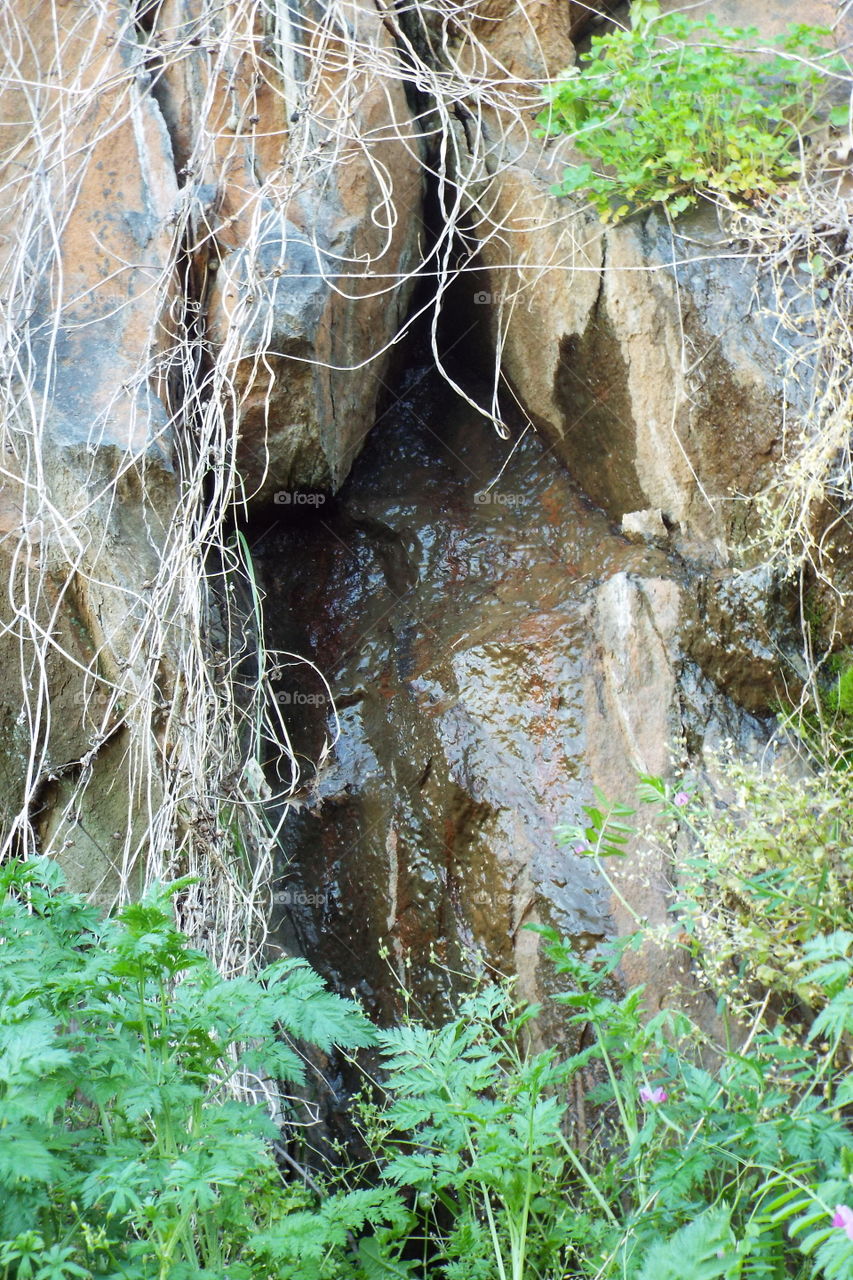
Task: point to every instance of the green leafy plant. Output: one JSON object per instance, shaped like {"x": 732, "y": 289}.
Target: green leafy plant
{"x": 471, "y": 1125}
{"x": 770, "y": 872}
{"x": 767, "y": 870}
{"x": 711, "y": 1164}
{"x": 675, "y": 107}
{"x": 123, "y": 1150}
{"x": 648, "y": 1153}
{"x": 832, "y": 726}
{"x": 755, "y": 1147}
{"x": 692, "y": 1161}
{"x": 822, "y": 720}
{"x": 840, "y": 696}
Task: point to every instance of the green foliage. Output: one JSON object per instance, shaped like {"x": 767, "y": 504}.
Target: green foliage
{"x": 121, "y": 1152}
{"x": 694, "y": 1162}
{"x": 840, "y": 696}
{"x": 759, "y": 1154}
{"x": 472, "y": 1125}
{"x": 765, "y": 886}
{"x": 605, "y": 834}
{"x": 770, "y": 876}
{"x": 708, "y": 1243}
{"x": 832, "y": 726}
{"x": 676, "y": 107}
{"x": 823, "y": 719}
{"x": 690, "y": 1141}
{"x": 122, "y": 1155}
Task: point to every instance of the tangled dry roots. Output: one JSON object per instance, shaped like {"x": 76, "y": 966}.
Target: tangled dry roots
{"x": 132, "y": 636}
{"x": 804, "y": 238}
{"x": 133, "y": 628}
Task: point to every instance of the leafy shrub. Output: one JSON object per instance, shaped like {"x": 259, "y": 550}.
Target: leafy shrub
{"x": 822, "y": 720}
{"x": 121, "y": 1156}
{"x": 768, "y": 871}
{"x": 471, "y": 1126}
{"x": 676, "y": 107}
{"x": 120, "y": 1152}
{"x": 683, "y": 1171}
{"x": 771, "y": 871}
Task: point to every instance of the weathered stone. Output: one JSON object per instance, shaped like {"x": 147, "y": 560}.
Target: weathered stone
{"x": 495, "y": 649}
{"x": 88, "y": 490}
{"x": 743, "y": 635}
{"x": 495, "y": 645}
{"x": 659, "y": 386}
{"x": 310, "y": 182}
{"x": 92, "y": 829}
{"x": 645, "y": 524}
{"x": 161, "y": 148}
{"x": 656, "y": 370}
{"x": 530, "y": 42}
{"x": 633, "y": 719}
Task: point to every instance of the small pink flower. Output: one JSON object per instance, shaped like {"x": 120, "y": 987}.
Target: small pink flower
{"x": 843, "y": 1218}
{"x": 654, "y": 1095}
{"x": 580, "y": 848}
{"x": 681, "y": 798}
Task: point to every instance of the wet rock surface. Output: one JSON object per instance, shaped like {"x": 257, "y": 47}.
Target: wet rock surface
{"x": 188, "y": 254}
{"x": 658, "y": 366}
{"x": 494, "y": 645}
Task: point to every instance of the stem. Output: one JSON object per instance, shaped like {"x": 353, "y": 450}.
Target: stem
{"x": 628, "y": 1125}
{"x": 605, "y": 875}
{"x": 521, "y": 1250}
{"x": 493, "y": 1231}
{"x": 588, "y": 1181}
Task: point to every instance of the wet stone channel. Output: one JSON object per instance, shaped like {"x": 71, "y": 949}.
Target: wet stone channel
{"x": 445, "y": 595}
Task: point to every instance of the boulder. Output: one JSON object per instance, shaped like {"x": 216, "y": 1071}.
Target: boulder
{"x": 210, "y": 221}
{"x": 658, "y": 370}
{"x": 89, "y": 490}
{"x": 307, "y": 171}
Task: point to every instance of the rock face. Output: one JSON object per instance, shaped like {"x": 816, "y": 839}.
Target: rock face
{"x": 659, "y": 385}
{"x": 209, "y": 221}
{"x": 648, "y": 359}
{"x": 307, "y": 170}
{"x": 494, "y": 646}
{"x": 658, "y": 366}
{"x": 696, "y": 404}
{"x": 89, "y": 488}
{"x": 476, "y": 717}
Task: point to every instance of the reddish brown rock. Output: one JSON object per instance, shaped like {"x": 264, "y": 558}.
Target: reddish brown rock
{"x": 88, "y": 487}
{"x": 309, "y": 178}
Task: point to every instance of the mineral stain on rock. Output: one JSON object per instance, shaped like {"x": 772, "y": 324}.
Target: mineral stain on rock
{"x": 449, "y": 596}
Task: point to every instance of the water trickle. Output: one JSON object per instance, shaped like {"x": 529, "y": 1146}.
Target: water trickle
{"x": 445, "y": 594}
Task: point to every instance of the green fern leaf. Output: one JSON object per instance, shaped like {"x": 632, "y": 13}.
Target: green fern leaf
{"x": 702, "y": 1250}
